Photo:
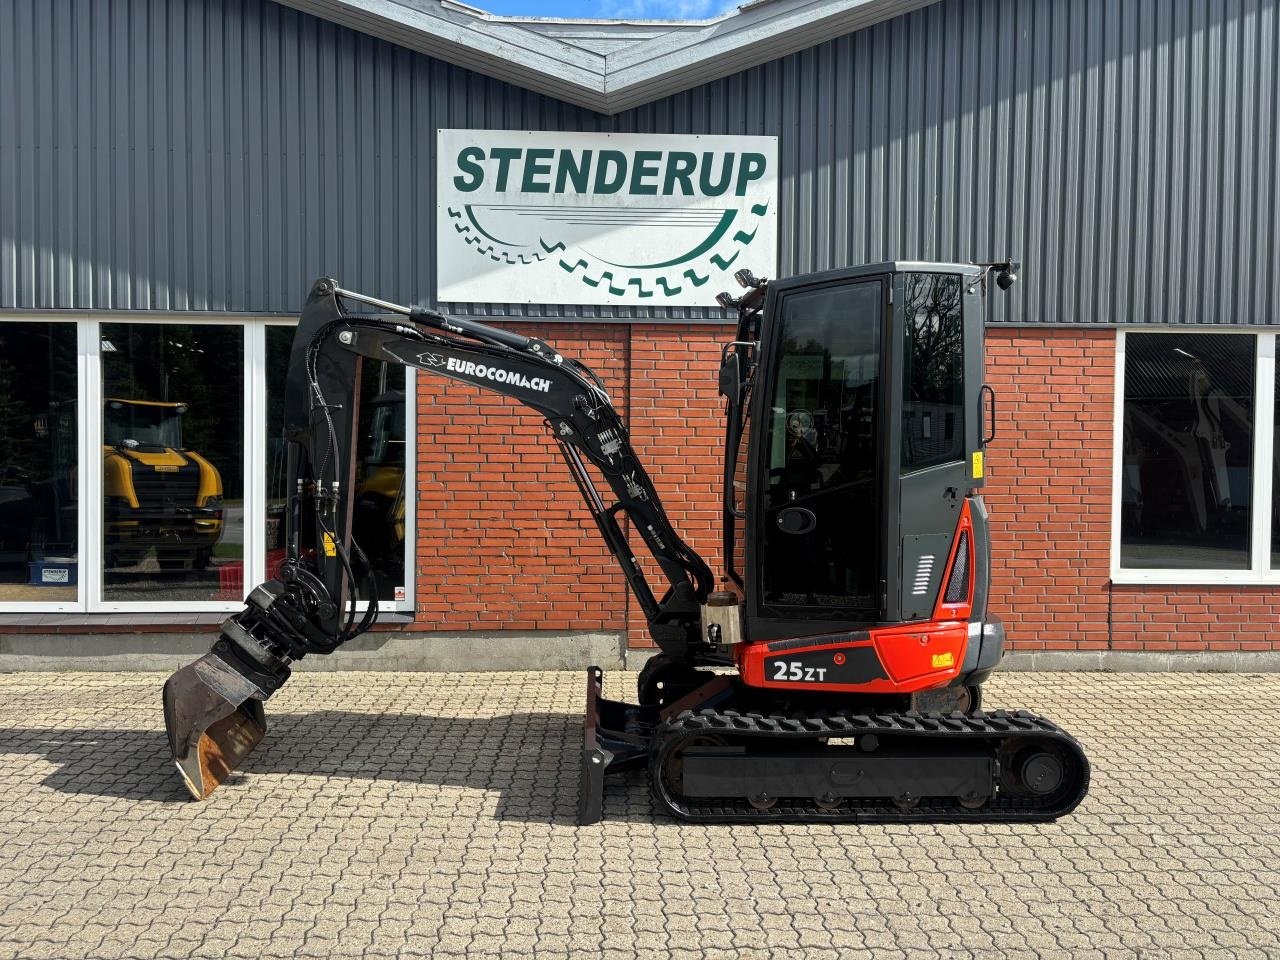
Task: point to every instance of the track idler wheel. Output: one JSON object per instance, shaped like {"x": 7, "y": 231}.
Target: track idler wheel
{"x": 1033, "y": 771}
{"x": 1041, "y": 773}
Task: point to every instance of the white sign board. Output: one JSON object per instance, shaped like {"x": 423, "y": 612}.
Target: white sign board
{"x": 602, "y": 218}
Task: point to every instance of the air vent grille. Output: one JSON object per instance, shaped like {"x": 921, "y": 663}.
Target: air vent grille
{"x": 924, "y": 574}
{"x": 958, "y": 585}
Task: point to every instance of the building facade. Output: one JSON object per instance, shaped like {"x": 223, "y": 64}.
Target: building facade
{"x": 173, "y": 175}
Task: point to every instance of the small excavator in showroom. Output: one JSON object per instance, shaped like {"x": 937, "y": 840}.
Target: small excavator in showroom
{"x": 834, "y": 673}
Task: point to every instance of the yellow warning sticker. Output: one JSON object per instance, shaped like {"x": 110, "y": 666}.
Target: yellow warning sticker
{"x": 977, "y": 465}
{"x": 941, "y": 660}
{"x": 330, "y": 548}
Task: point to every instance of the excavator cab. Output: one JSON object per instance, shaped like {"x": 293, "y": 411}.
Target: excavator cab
{"x": 833, "y": 675}
{"x": 857, "y": 418}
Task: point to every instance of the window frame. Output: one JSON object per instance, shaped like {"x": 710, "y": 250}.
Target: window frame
{"x": 818, "y": 616}
{"x": 83, "y": 449}
{"x": 1260, "y": 571}
{"x": 89, "y": 397}
{"x": 959, "y": 422}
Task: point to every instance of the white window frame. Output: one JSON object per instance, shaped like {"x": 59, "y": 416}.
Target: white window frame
{"x": 91, "y": 483}
{"x": 82, "y": 360}
{"x": 1260, "y": 572}
{"x": 89, "y": 395}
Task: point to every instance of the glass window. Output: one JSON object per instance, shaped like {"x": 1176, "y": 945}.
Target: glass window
{"x": 933, "y": 371}
{"x": 378, "y": 514}
{"x": 822, "y": 493}
{"x": 38, "y": 462}
{"x": 172, "y": 461}
{"x": 1274, "y": 466}
{"x": 1186, "y": 481}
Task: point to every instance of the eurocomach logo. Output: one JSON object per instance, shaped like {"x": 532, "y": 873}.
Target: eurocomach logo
{"x": 599, "y": 218}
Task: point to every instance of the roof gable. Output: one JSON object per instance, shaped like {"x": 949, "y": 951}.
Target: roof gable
{"x": 606, "y": 65}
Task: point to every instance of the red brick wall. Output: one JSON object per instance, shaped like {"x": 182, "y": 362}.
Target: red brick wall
{"x": 503, "y": 538}
{"x": 1049, "y": 485}
{"x": 1049, "y": 492}
{"x": 677, "y": 426}
{"x": 505, "y": 543}
{"x": 1189, "y": 619}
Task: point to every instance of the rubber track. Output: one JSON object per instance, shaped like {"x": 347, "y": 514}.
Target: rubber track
{"x": 1001, "y": 727}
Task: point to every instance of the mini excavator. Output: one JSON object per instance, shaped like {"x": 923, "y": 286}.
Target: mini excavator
{"x": 833, "y": 674}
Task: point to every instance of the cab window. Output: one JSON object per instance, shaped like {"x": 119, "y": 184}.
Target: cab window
{"x": 822, "y": 491}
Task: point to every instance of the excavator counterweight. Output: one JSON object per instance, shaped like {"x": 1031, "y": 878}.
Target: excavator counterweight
{"x": 835, "y": 672}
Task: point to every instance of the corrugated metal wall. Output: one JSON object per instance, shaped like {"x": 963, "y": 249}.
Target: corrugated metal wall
{"x": 205, "y": 155}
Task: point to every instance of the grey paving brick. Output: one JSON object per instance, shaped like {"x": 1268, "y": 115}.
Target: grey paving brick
{"x": 420, "y": 815}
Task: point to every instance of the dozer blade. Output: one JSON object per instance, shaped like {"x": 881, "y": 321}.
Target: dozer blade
{"x": 214, "y": 718}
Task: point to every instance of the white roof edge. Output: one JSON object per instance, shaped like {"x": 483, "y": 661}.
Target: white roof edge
{"x": 684, "y": 54}
{"x": 587, "y": 21}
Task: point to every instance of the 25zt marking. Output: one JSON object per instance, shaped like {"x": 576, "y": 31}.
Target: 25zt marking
{"x": 791, "y": 670}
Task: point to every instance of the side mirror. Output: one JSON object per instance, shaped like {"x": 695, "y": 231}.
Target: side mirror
{"x": 731, "y": 378}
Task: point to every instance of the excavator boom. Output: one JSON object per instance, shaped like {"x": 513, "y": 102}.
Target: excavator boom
{"x": 213, "y": 708}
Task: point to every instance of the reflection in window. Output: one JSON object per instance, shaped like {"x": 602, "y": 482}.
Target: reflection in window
{"x": 820, "y": 541}
{"x": 378, "y": 514}
{"x": 38, "y": 462}
{"x": 933, "y": 374}
{"x": 1186, "y": 481}
{"x": 172, "y": 461}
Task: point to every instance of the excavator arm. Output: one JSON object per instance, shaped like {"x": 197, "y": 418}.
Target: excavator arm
{"x": 213, "y": 708}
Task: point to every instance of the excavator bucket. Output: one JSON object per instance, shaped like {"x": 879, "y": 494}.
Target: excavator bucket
{"x": 214, "y": 718}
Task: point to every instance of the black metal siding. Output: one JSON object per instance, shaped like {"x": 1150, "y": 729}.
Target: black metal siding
{"x": 197, "y": 155}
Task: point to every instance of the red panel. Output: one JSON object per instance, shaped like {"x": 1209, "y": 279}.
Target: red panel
{"x": 913, "y": 657}
{"x": 911, "y": 654}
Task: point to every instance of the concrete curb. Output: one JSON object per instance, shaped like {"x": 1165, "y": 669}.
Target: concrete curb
{"x": 389, "y": 651}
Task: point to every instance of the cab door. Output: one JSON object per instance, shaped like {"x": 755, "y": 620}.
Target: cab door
{"x": 819, "y": 456}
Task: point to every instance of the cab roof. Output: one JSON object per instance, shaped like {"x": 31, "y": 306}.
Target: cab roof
{"x": 971, "y": 270}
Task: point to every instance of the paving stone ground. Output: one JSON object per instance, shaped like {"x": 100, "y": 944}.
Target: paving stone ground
{"x": 433, "y": 815}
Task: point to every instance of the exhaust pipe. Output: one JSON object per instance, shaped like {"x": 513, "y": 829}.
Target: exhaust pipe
{"x": 213, "y": 708}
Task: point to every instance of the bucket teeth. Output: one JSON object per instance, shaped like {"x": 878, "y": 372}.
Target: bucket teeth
{"x": 221, "y": 748}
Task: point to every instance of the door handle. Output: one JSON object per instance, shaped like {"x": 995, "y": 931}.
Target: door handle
{"x": 987, "y": 413}
{"x": 796, "y": 520}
